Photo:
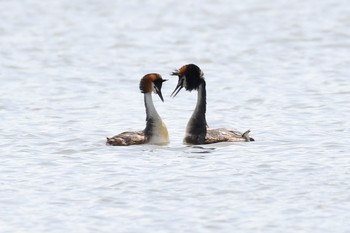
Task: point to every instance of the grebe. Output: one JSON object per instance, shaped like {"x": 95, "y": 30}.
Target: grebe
{"x": 191, "y": 77}
{"x": 155, "y": 131}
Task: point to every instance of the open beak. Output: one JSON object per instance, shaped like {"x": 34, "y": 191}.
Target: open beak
{"x": 178, "y": 87}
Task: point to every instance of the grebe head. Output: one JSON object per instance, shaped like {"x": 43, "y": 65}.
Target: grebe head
{"x": 152, "y": 82}
{"x": 190, "y": 77}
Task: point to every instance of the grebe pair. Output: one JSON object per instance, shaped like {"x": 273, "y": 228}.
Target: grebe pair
{"x": 191, "y": 78}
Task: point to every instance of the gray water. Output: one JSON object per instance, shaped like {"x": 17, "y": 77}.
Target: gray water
{"x": 69, "y": 78}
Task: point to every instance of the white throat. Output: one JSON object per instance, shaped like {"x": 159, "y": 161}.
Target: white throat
{"x": 156, "y": 130}
{"x": 151, "y": 111}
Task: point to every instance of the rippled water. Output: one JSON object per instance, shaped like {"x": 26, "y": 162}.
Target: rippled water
{"x": 69, "y": 77}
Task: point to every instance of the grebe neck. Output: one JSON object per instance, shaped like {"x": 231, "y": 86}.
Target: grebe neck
{"x": 155, "y": 131}
{"x": 197, "y": 126}
{"x": 151, "y": 111}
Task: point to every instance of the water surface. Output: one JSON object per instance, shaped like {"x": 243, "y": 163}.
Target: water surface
{"x": 69, "y": 77}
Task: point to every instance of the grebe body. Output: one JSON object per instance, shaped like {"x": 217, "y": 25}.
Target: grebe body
{"x": 156, "y": 131}
{"x": 192, "y": 78}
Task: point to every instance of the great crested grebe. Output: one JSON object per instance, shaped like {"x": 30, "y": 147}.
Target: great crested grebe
{"x": 191, "y": 77}
{"x": 155, "y": 131}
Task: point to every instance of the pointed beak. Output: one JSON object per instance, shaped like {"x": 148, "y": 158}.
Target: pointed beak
{"x": 159, "y": 92}
{"x": 178, "y": 88}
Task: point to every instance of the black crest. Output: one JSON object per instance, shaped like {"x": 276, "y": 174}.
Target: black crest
{"x": 194, "y": 77}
